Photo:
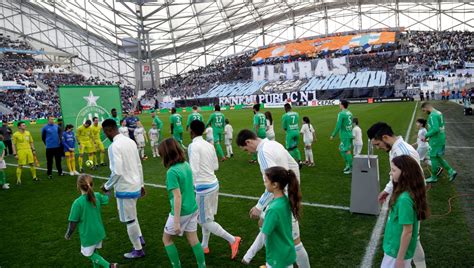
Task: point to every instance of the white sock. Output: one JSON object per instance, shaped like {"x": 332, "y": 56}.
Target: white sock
{"x": 302, "y": 259}
{"x": 134, "y": 232}
{"x": 310, "y": 154}
{"x": 255, "y": 247}
{"x": 205, "y": 237}
{"x": 216, "y": 229}
{"x": 230, "y": 148}
{"x": 419, "y": 256}
{"x": 139, "y": 229}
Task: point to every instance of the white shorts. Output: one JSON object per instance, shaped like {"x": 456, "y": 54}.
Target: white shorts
{"x": 389, "y": 262}
{"x": 357, "y": 149}
{"x": 295, "y": 227}
{"x": 127, "y": 209}
{"x": 308, "y": 144}
{"x": 211, "y": 141}
{"x": 227, "y": 141}
{"x": 154, "y": 143}
{"x": 207, "y": 205}
{"x": 140, "y": 144}
{"x": 188, "y": 224}
{"x": 88, "y": 251}
{"x": 271, "y": 136}
{"x": 423, "y": 152}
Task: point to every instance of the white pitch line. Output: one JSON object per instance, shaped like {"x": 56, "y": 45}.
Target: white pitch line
{"x": 309, "y": 204}
{"x": 376, "y": 235}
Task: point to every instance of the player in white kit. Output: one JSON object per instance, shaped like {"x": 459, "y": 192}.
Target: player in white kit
{"x": 308, "y": 137}
{"x": 123, "y": 129}
{"x": 228, "y": 135}
{"x": 203, "y": 160}
{"x": 154, "y": 135}
{"x": 140, "y": 137}
{"x": 356, "y": 137}
{"x": 270, "y": 154}
{"x": 422, "y": 146}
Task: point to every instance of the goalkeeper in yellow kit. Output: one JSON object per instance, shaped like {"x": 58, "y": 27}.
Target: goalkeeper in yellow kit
{"x": 99, "y": 146}
{"x": 24, "y": 151}
{"x": 86, "y": 143}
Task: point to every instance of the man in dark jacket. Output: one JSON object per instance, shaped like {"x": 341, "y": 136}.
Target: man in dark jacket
{"x": 6, "y": 132}
{"x": 52, "y": 140}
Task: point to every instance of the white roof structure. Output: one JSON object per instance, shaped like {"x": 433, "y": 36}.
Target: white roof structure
{"x": 182, "y": 35}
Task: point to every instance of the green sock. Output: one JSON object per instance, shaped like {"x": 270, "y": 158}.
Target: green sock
{"x": 445, "y": 165}
{"x": 199, "y": 254}
{"x": 297, "y": 154}
{"x": 3, "y": 180}
{"x": 349, "y": 160}
{"x": 219, "y": 151}
{"x": 98, "y": 260}
{"x": 343, "y": 155}
{"x": 435, "y": 164}
{"x": 173, "y": 255}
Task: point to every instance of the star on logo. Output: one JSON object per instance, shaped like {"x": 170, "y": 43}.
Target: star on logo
{"x": 91, "y": 99}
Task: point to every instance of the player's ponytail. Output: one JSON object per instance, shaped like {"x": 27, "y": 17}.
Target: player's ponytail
{"x": 85, "y": 183}
{"x": 286, "y": 178}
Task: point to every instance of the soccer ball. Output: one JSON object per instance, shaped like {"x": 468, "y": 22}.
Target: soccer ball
{"x": 89, "y": 163}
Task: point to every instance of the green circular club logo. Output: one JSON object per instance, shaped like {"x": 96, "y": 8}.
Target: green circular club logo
{"x": 92, "y": 110}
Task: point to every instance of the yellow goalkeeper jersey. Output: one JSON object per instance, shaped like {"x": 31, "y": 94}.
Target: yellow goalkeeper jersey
{"x": 84, "y": 135}
{"x": 22, "y": 140}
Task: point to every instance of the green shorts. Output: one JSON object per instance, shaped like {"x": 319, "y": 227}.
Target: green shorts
{"x": 217, "y": 136}
{"x": 436, "y": 151}
{"x": 345, "y": 145}
{"x": 262, "y": 134}
{"x": 292, "y": 140}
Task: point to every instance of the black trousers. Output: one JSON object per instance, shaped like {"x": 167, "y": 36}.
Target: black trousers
{"x": 8, "y": 147}
{"x": 56, "y": 154}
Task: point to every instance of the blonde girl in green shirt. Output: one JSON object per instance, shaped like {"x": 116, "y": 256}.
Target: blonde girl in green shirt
{"x": 86, "y": 213}
{"x": 277, "y": 227}
{"x": 184, "y": 210}
{"x": 408, "y": 206}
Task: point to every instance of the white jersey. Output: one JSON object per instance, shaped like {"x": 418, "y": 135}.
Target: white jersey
{"x": 270, "y": 131}
{"x": 126, "y": 168}
{"x": 209, "y": 134}
{"x": 307, "y": 130}
{"x": 420, "y": 137}
{"x": 124, "y": 131}
{"x": 153, "y": 134}
{"x": 228, "y": 132}
{"x": 357, "y": 136}
{"x": 139, "y": 134}
{"x": 203, "y": 161}
{"x": 272, "y": 154}
{"x": 400, "y": 147}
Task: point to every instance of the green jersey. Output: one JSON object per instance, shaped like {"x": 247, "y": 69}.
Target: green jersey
{"x": 343, "y": 125}
{"x": 89, "y": 219}
{"x": 402, "y": 213}
{"x": 194, "y": 116}
{"x": 158, "y": 122}
{"x": 436, "y": 132}
{"x": 290, "y": 122}
{"x": 217, "y": 121}
{"x": 2, "y": 148}
{"x": 177, "y": 121}
{"x": 260, "y": 121}
{"x": 280, "y": 248}
{"x": 180, "y": 176}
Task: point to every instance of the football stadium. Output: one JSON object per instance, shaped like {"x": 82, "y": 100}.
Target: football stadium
{"x": 236, "y": 133}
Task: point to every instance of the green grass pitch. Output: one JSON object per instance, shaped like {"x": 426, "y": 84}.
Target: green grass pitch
{"x": 33, "y": 216}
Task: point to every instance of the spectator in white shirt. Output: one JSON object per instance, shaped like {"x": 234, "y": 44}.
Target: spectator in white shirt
{"x": 203, "y": 160}
{"x": 357, "y": 136}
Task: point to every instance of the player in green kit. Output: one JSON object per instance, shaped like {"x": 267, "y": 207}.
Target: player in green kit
{"x": 176, "y": 121}
{"x": 436, "y": 137}
{"x": 344, "y": 127}
{"x": 217, "y": 122}
{"x": 158, "y": 123}
{"x": 195, "y": 115}
{"x": 183, "y": 217}
{"x": 290, "y": 123}
{"x": 260, "y": 126}
{"x": 115, "y": 117}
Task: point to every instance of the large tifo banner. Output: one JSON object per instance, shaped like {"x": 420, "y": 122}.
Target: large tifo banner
{"x": 313, "y": 46}
{"x": 301, "y": 69}
{"x": 81, "y": 103}
{"x": 275, "y": 99}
